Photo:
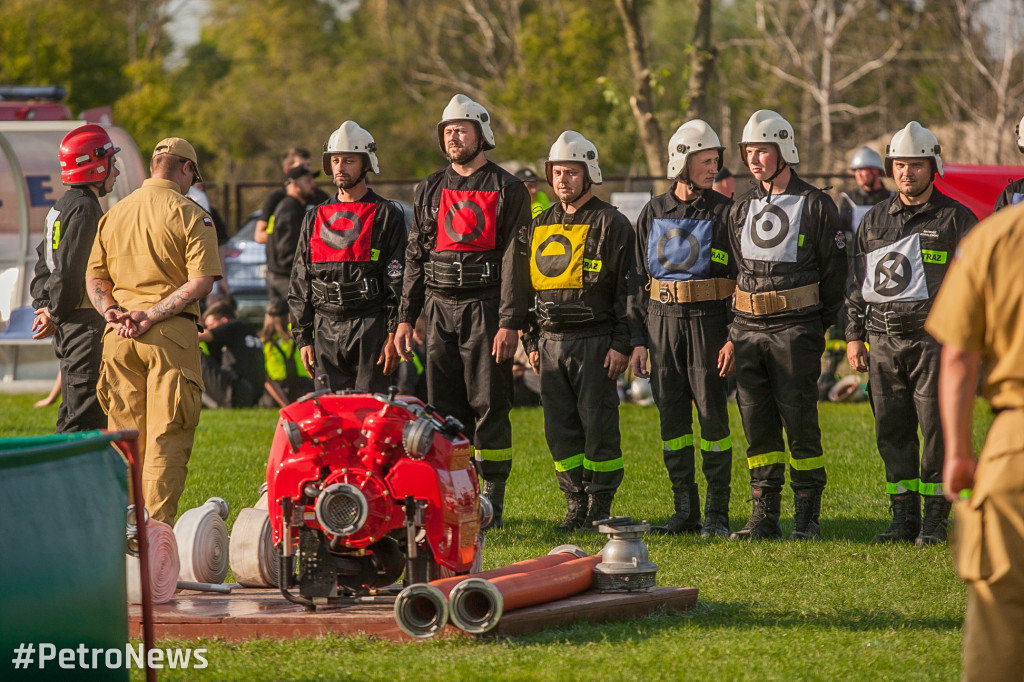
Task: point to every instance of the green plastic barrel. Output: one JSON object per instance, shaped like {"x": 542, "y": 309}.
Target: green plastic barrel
{"x": 62, "y": 548}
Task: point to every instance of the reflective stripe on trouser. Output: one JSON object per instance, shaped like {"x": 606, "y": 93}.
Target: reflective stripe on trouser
{"x": 903, "y": 382}
{"x": 153, "y": 384}
{"x": 347, "y": 350}
{"x": 78, "y": 344}
{"x": 464, "y": 381}
{"x": 776, "y": 381}
{"x": 581, "y": 413}
{"x": 684, "y": 374}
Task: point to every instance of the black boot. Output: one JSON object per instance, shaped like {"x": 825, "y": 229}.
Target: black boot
{"x": 716, "y": 513}
{"x": 806, "y": 510}
{"x": 906, "y": 519}
{"x": 764, "y": 517}
{"x": 495, "y": 492}
{"x": 680, "y": 521}
{"x": 936, "y": 517}
{"x": 600, "y": 509}
{"x": 575, "y": 517}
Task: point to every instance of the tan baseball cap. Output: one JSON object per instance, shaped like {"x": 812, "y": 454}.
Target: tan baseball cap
{"x": 176, "y": 146}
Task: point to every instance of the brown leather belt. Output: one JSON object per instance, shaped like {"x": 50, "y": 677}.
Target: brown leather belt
{"x": 691, "y": 291}
{"x": 771, "y": 302}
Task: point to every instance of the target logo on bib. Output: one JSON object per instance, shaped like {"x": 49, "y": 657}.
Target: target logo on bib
{"x": 556, "y": 257}
{"x": 895, "y": 272}
{"x": 342, "y": 232}
{"x": 679, "y": 249}
{"x": 467, "y": 220}
{"x": 771, "y": 231}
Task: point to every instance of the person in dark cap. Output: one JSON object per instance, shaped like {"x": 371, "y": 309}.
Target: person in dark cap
{"x": 538, "y": 200}
{"x": 283, "y": 229}
{"x": 295, "y": 156}
{"x": 725, "y": 183}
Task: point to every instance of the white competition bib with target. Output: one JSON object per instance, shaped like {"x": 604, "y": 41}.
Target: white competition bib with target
{"x": 857, "y": 211}
{"x": 895, "y": 272}
{"x": 772, "y": 230}
{"x": 679, "y": 249}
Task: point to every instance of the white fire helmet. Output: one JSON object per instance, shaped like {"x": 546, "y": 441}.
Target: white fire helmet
{"x": 913, "y": 142}
{"x": 768, "y": 126}
{"x": 349, "y": 137}
{"x": 866, "y": 157}
{"x": 572, "y": 146}
{"x": 1020, "y": 135}
{"x": 691, "y": 137}
{"x": 462, "y": 108}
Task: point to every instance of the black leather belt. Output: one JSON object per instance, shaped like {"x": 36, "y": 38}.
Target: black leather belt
{"x": 343, "y": 294}
{"x": 460, "y": 275}
{"x": 563, "y": 313}
{"x": 892, "y": 323}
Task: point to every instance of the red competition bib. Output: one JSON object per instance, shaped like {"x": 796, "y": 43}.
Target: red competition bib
{"x": 467, "y": 220}
{"x": 341, "y": 232}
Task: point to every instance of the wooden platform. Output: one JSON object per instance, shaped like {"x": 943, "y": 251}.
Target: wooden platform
{"x": 251, "y": 613}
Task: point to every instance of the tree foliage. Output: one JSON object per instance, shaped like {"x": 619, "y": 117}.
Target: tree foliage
{"x": 269, "y": 74}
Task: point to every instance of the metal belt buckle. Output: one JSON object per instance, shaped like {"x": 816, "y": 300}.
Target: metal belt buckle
{"x": 486, "y": 278}
{"x": 457, "y": 265}
{"x": 364, "y": 287}
{"x": 666, "y": 294}
{"x": 891, "y": 328}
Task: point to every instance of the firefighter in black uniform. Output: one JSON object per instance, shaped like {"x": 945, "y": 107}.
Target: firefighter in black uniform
{"x": 867, "y": 169}
{"x": 1014, "y": 192}
{"x": 578, "y": 337}
{"x": 685, "y": 273}
{"x": 347, "y": 275}
{"x": 905, "y": 246}
{"x": 466, "y": 271}
{"x": 58, "y": 286}
{"x": 790, "y": 251}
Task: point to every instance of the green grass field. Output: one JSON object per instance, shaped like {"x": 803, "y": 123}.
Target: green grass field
{"x": 830, "y": 610}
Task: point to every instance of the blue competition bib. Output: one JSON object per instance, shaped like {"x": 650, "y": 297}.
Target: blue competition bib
{"x": 1016, "y": 198}
{"x": 679, "y": 249}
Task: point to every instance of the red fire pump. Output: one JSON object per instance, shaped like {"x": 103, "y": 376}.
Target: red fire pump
{"x": 362, "y": 487}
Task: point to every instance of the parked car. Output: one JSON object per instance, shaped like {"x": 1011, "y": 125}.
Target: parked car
{"x": 245, "y": 266}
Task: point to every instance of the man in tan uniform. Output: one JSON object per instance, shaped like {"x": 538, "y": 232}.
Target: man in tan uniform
{"x": 154, "y": 258}
{"x": 979, "y": 315}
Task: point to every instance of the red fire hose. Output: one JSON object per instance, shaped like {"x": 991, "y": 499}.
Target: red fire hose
{"x": 477, "y": 605}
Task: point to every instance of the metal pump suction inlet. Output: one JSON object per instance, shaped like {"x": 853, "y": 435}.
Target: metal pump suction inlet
{"x": 625, "y": 565}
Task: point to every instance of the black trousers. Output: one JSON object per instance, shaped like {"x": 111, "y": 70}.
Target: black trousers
{"x": 684, "y": 373}
{"x": 464, "y": 381}
{"x": 903, "y": 381}
{"x": 776, "y": 381}
{"x": 224, "y": 388}
{"x": 581, "y": 413}
{"x": 277, "y": 285}
{"x": 78, "y": 344}
{"x": 347, "y": 350}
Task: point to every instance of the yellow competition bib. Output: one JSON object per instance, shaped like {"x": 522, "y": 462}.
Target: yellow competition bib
{"x": 556, "y": 256}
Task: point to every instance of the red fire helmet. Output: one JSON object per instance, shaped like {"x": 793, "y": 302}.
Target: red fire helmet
{"x": 86, "y": 155}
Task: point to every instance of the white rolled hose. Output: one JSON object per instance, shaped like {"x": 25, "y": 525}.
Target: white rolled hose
{"x": 163, "y": 565}
{"x": 254, "y": 559}
{"x": 202, "y": 536}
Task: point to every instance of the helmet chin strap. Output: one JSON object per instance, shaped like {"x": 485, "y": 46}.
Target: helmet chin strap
{"x": 779, "y": 167}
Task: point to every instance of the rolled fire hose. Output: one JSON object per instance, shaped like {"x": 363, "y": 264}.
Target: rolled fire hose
{"x": 254, "y": 559}
{"x": 476, "y": 605}
{"x": 421, "y": 609}
{"x": 163, "y": 565}
{"x": 202, "y": 536}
